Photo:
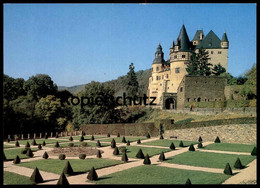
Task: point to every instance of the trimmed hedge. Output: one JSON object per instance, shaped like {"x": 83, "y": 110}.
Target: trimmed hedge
{"x": 29, "y": 153}
{"x": 238, "y": 164}
{"x": 124, "y": 157}
{"x": 217, "y": 140}
{"x": 200, "y": 145}
{"x": 147, "y": 160}
{"x": 138, "y": 141}
{"x": 17, "y": 143}
{"x": 140, "y": 154}
{"x": 181, "y": 144}
{"x": 123, "y": 140}
{"x": 228, "y": 170}
{"x": 62, "y": 180}
{"x": 43, "y": 143}
{"x": 99, "y": 154}
{"x": 128, "y": 143}
{"x": 172, "y": 146}
{"x": 92, "y": 175}
{"x": 68, "y": 169}
{"x": 254, "y": 151}
{"x": 71, "y": 138}
{"x": 116, "y": 151}
{"x": 36, "y": 176}
{"x": 191, "y": 148}
{"x": 17, "y": 160}
{"x": 162, "y": 157}
{"x": 188, "y": 182}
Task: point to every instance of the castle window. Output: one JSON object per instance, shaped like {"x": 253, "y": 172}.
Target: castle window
{"x": 175, "y": 57}
{"x": 215, "y": 99}
{"x": 219, "y": 52}
{"x": 215, "y": 82}
{"x": 208, "y": 99}
{"x": 188, "y": 99}
{"x": 157, "y": 78}
{"x": 160, "y": 84}
{"x": 157, "y": 68}
{"x": 168, "y": 87}
{"x": 199, "y": 99}
{"x": 205, "y": 100}
{"x": 219, "y": 99}
{"x": 212, "y": 52}
{"x": 156, "y": 88}
{"x": 177, "y": 70}
{"x": 181, "y": 89}
{"x": 162, "y": 77}
{"x": 166, "y": 75}
{"x": 183, "y": 56}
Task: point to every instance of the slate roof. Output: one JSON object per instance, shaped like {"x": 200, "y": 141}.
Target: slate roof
{"x": 224, "y": 38}
{"x": 197, "y": 35}
{"x": 210, "y": 41}
{"x": 159, "y": 59}
{"x": 183, "y": 40}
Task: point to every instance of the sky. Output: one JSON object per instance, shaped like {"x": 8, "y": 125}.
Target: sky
{"x": 78, "y": 43}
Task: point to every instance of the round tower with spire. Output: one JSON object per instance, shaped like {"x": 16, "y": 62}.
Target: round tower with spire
{"x": 224, "y": 41}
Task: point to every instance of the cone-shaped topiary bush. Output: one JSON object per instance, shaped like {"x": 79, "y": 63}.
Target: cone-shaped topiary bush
{"x": 81, "y": 139}
{"x": 228, "y": 170}
{"x": 191, "y": 148}
{"x": 254, "y": 151}
{"x": 172, "y": 146}
{"x": 113, "y": 143}
{"x": 140, "y": 154}
{"x": 108, "y": 135}
{"x": 128, "y": 143}
{"x": 39, "y": 146}
{"x": 98, "y": 144}
{"x": 34, "y": 142}
{"x": 124, "y": 157}
{"x": 4, "y": 157}
{"x": 99, "y": 154}
{"x": 200, "y": 145}
{"x": 238, "y": 164}
{"x": 27, "y": 145}
{"x": 92, "y": 137}
{"x": 84, "y": 144}
{"x": 181, "y": 144}
{"x": 24, "y": 151}
{"x": 118, "y": 135}
{"x": 62, "y": 156}
{"x": 70, "y": 144}
{"x": 162, "y": 157}
{"x": 57, "y": 144}
{"x": 17, "y": 144}
{"x": 200, "y": 139}
{"x": 148, "y": 135}
{"x": 56, "y": 136}
{"x": 188, "y": 182}
{"x": 92, "y": 175}
{"x": 147, "y": 160}
{"x": 17, "y": 160}
{"x": 29, "y": 153}
{"x": 123, "y": 140}
{"x": 8, "y": 139}
{"x": 217, "y": 140}
{"x": 62, "y": 180}
{"x": 36, "y": 176}
{"x": 116, "y": 151}
{"x": 45, "y": 155}
{"x": 82, "y": 156}
{"x": 161, "y": 137}
{"x": 43, "y": 143}
{"x": 68, "y": 169}
{"x": 138, "y": 141}
{"x": 71, "y": 138}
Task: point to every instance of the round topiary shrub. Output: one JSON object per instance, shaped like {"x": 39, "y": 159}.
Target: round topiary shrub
{"x": 147, "y": 160}
{"x": 17, "y": 160}
{"x": 162, "y": 157}
{"x": 116, "y": 151}
{"x": 29, "y": 153}
{"x": 92, "y": 175}
{"x": 200, "y": 139}
{"x": 45, "y": 155}
{"x": 68, "y": 169}
{"x": 99, "y": 154}
{"x": 84, "y": 144}
{"x": 98, "y": 144}
{"x": 62, "y": 156}
{"x": 57, "y": 144}
{"x": 140, "y": 154}
{"x": 200, "y": 145}
{"x": 217, "y": 140}
{"x": 191, "y": 148}
{"x": 138, "y": 141}
{"x": 148, "y": 135}
{"x": 82, "y": 156}
{"x": 172, "y": 146}
{"x": 254, "y": 151}
{"x": 36, "y": 176}
{"x": 188, "y": 182}
{"x": 43, "y": 143}
{"x": 92, "y": 137}
{"x": 228, "y": 170}
{"x": 70, "y": 139}
{"x": 181, "y": 144}
{"x": 34, "y": 142}
{"x": 113, "y": 143}
{"x": 238, "y": 164}
{"x": 81, "y": 139}
{"x": 124, "y": 157}
{"x": 161, "y": 137}
{"x": 123, "y": 140}
{"x": 108, "y": 135}
{"x": 128, "y": 143}
{"x": 39, "y": 146}
{"x": 17, "y": 144}
{"x": 63, "y": 180}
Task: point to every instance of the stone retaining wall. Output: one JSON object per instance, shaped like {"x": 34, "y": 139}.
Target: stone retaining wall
{"x": 233, "y": 133}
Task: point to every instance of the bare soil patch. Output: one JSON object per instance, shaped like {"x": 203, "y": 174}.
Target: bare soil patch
{"x": 74, "y": 151}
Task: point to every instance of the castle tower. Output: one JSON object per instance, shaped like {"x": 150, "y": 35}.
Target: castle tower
{"x": 224, "y": 41}
{"x": 198, "y": 37}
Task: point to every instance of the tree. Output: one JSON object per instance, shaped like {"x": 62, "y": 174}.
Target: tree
{"x": 12, "y": 88}
{"x": 192, "y": 66}
{"x": 132, "y": 83}
{"x": 218, "y": 70}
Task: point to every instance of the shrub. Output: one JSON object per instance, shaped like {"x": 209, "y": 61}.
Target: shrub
{"x": 162, "y": 157}
{"x": 148, "y": 135}
{"x": 84, "y": 144}
{"x": 140, "y": 154}
{"x": 172, "y": 146}
{"x": 200, "y": 145}
{"x": 17, "y": 160}
{"x": 71, "y": 144}
{"x": 36, "y": 176}
{"x": 98, "y": 144}
{"x": 57, "y": 144}
{"x": 71, "y": 138}
{"x": 254, "y": 151}
{"x": 128, "y": 143}
{"x": 191, "y": 148}
{"x": 92, "y": 137}
{"x": 17, "y": 144}
{"x": 227, "y": 169}
{"x": 81, "y": 139}
{"x": 45, "y": 155}
{"x": 118, "y": 135}
{"x": 34, "y": 142}
{"x": 62, "y": 156}
{"x": 62, "y": 180}
{"x": 82, "y": 156}
{"x": 108, "y": 135}
{"x": 43, "y": 143}
{"x": 238, "y": 164}
{"x": 29, "y": 153}
{"x": 200, "y": 139}
{"x": 147, "y": 160}
{"x": 92, "y": 175}
{"x": 188, "y": 182}
{"x": 161, "y": 137}
{"x": 138, "y": 141}
{"x": 181, "y": 144}
{"x": 124, "y": 157}
{"x": 24, "y": 151}
{"x": 116, "y": 151}
{"x": 113, "y": 143}
{"x": 67, "y": 169}
{"x": 123, "y": 140}
{"x": 217, "y": 140}
{"x": 99, "y": 154}
{"x": 27, "y": 145}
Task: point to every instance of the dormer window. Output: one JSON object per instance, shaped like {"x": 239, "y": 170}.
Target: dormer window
{"x": 183, "y": 56}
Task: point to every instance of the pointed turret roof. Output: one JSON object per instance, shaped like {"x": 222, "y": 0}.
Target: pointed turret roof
{"x": 159, "y": 55}
{"x": 183, "y": 40}
{"x": 210, "y": 41}
{"x": 173, "y": 44}
{"x": 224, "y": 38}
{"x": 197, "y": 35}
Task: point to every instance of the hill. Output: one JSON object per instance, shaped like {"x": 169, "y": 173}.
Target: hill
{"x": 118, "y": 84}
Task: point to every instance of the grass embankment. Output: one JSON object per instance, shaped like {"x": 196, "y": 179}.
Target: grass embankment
{"x": 211, "y": 160}
{"x": 79, "y": 166}
{"x": 16, "y": 179}
{"x": 230, "y": 147}
{"x": 161, "y": 175}
{"x": 167, "y": 143}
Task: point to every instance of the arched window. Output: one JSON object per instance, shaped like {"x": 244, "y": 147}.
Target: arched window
{"x": 199, "y": 99}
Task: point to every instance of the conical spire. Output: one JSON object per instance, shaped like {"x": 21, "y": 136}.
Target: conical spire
{"x": 224, "y": 38}
{"x": 183, "y": 40}
{"x": 173, "y": 44}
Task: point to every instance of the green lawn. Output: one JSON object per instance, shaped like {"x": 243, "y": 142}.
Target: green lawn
{"x": 206, "y": 159}
{"x": 39, "y": 141}
{"x": 151, "y": 174}
{"x": 167, "y": 143}
{"x": 14, "y": 179}
{"x": 78, "y": 165}
{"x": 230, "y": 147}
{"x": 119, "y": 139}
{"x": 11, "y": 153}
{"x": 132, "y": 151}
{"x": 8, "y": 146}
{"x": 92, "y": 144}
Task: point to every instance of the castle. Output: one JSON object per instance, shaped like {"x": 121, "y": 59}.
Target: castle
{"x": 168, "y": 77}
